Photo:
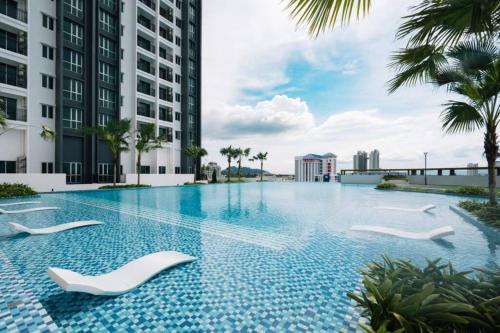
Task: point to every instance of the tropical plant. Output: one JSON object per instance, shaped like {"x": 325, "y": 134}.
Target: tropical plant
{"x": 230, "y": 153}
{"x": 8, "y": 190}
{"x": 195, "y": 152}
{"x": 146, "y": 141}
{"x": 240, "y": 154}
{"x": 399, "y": 296}
{"x": 483, "y": 211}
{"x": 471, "y": 190}
{"x": 322, "y": 15}
{"x": 116, "y": 134}
{"x": 3, "y": 118}
{"x": 386, "y": 186}
{"x": 260, "y": 157}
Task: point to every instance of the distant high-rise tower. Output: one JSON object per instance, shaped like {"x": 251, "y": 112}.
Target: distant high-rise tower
{"x": 374, "y": 160}
{"x": 360, "y": 161}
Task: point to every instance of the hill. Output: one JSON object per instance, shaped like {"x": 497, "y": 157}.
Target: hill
{"x": 245, "y": 171}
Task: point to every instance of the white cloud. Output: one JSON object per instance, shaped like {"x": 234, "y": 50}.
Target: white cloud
{"x": 249, "y": 44}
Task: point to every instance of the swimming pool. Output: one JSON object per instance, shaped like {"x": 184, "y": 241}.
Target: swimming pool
{"x": 272, "y": 257}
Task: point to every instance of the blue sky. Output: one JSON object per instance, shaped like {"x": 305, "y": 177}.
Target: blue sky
{"x": 267, "y": 85}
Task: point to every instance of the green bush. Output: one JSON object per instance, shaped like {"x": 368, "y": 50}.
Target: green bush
{"x": 470, "y": 190}
{"x": 394, "y": 177}
{"x": 483, "y": 211}
{"x": 399, "y": 296}
{"x": 109, "y": 187}
{"x": 15, "y": 190}
{"x": 386, "y": 186}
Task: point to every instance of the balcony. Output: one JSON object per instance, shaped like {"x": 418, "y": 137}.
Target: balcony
{"x": 145, "y": 110}
{"x": 167, "y": 34}
{"x": 145, "y": 44}
{"x": 166, "y": 114}
{"x": 13, "y": 42}
{"x": 167, "y": 13}
{"x": 145, "y": 67}
{"x": 14, "y": 12}
{"x": 149, "y": 3}
{"x": 17, "y": 114}
{"x": 166, "y": 95}
{"x": 145, "y": 22}
{"x": 12, "y": 75}
{"x": 166, "y": 74}
{"x": 145, "y": 89}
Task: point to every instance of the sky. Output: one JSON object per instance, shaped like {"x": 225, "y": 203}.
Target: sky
{"x": 269, "y": 86}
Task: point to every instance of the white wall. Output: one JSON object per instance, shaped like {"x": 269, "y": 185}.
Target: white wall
{"x": 160, "y": 180}
{"x": 39, "y": 182}
{"x": 360, "y": 179}
{"x": 452, "y": 180}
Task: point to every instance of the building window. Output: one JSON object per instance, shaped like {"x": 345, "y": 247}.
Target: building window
{"x": 47, "y": 167}
{"x": 166, "y": 114}
{"x": 177, "y": 170}
{"x": 107, "y": 73}
{"x": 47, "y": 81}
{"x": 178, "y": 97}
{"x": 7, "y": 166}
{"x": 177, "y": 135}
{"x": 47, "y": 22}
{"x": 47, "y": 111}
{"x": 177, "y": 41}
{"x": 106, "y": 98}
{"x": 107, "y": 47}
{"x": 72, "y": 118}
{"x": 177, "y": 78}
{"x": 103, "y": 172}
{"x": 165, "y": 133}
{"x": 145, "y": 169}
{"x": 177, "y": 60}
{"x": 73, "y": 90}
{"x": 73, "y": 171}
{"x": 47, "y": 52}
{"x": 104, "y": 119}
{"x": 74, "y": 7}
{"x": 162, "y": 170}
{"x": 73, "y": 33}
{"x": 178, "y": 116}
{"x": 73, "y": 61}
{"x": 107, "y": 22}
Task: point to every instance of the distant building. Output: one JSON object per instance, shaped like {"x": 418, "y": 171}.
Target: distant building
{"x": 209, "y": 171}
{"x": 315, "y": 168}
{"x": 360, "y": 161}
{"x": 472, "y": 172}
{"x": 374, "y": 160}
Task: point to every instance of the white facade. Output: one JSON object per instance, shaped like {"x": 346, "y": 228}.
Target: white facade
{"x": 374, "y": 160}
{"x": 360, "y": 161}
{"x": 32, "y": 55}
{"x": 316, "y": 168}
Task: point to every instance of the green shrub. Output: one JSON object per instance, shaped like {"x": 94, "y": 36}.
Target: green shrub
{"x": 15, "y": 190}
{"x": 483, "y": 211}
{"x": 394, "y": 177}
{"x": 399, "y": 296}
{"x": 386, "y": 186}
{"x": 109, "y": 187}
{"x": 470, "y": 190}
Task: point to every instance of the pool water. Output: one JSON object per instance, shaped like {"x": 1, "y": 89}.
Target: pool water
{"x": 271, "y": 257}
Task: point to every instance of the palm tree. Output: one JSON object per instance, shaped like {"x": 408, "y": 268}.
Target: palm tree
{"x": 240, "y": 154}
{"x": 473, "y": 72}
{"x": 230, "y": 153}
{"x": 322, "y": 15}
{"x": 260, "y": 157}
{"x": 116, "y": 134}
{"x": 195, "y": 152}
{"x": 145, "y": 142}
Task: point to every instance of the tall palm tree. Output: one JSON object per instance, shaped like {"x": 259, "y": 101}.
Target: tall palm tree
{"x": 260, "y": 157}
{"x": 116, "y": 134}
{"x": 195, "y": 152}
{"x": 322, "y": 15}
{"x": 230, "y": 154}
{"x": 473, "y": 72}
{"x": 146, "y": 141}
{"x": 240, "y": 154}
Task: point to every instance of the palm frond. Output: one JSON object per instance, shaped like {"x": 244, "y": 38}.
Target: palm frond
{"x": 47, "y": 133}
{"x": 474, "y": 55}
{"x": 460, "y": 117}
{"x": 321, "y": 15}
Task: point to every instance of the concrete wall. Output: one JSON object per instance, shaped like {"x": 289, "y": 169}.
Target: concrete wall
{"x": 452, "y": 180}
{"x": 160, "y": 180}
{"x": 360, "y": 179}
{"x": 39, "y": 182}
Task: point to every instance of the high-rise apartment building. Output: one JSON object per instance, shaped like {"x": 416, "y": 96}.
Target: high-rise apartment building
{"x": 71, "y": 64}
{"x": 315, "y": 168}
{"x": 360, "y": 161}
{"x": 374, "y": 160}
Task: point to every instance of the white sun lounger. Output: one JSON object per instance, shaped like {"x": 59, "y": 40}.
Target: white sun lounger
{"x": 123, "y": 279}
{"x": 433, "y": 234}
{"x": 20, "y": 203}
{"x": 29, "y": 210}
{"x": 50, "y": 230}
{"x": 423, "y": 209}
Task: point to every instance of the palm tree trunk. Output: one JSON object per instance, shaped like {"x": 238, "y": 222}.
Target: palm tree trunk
{"x": 229, "y": 171}
{"x": 138, "y": 167}
{"x": 239, "y": 170}
{"x": 194, "y": 168}
{"x": 115, "y": 159}
{"x": 261, "y": 170}
{"x": 491, "y": 151}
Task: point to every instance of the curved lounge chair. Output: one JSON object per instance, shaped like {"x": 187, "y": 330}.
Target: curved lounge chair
{"x": 123, "y": 279}
{"x": 20, "y": 203}
{"x": 433, "y": 234}
{"x": 50, "y": 230}
{"x": 28, "y": 210}
{"x": 424, "y": 209}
